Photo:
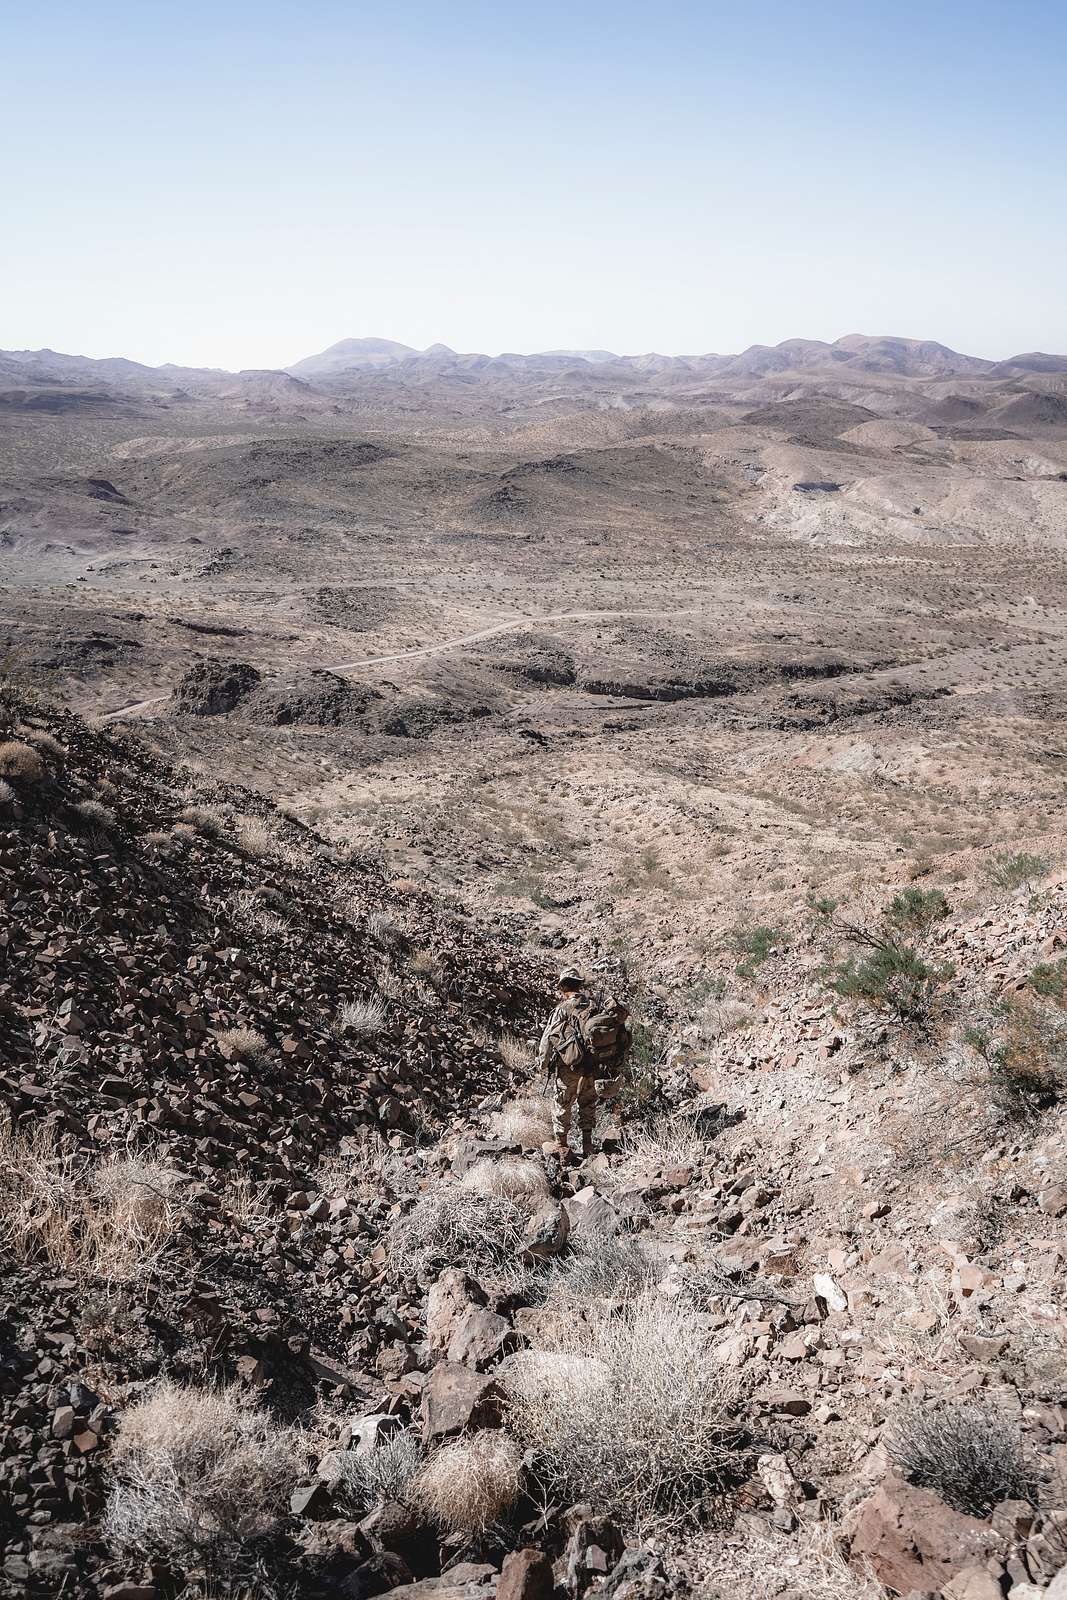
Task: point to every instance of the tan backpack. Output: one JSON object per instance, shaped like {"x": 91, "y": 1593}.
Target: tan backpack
{"x": 590, "y": 1037}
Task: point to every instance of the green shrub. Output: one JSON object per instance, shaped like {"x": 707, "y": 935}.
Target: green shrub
{"x": 1009, "y": 871}
{"x": 754, "y": 945}
{"x": 1026, "y": 1066}
{"x": 1050, "y": 981}
{"x": 893, "y": 976}
{"x": 916, "y": 908}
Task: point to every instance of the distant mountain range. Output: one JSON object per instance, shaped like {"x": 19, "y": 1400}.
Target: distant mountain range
{"x": 359, "y": 359}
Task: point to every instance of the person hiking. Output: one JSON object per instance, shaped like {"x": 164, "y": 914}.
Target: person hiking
{"x": 584, "y": 1039}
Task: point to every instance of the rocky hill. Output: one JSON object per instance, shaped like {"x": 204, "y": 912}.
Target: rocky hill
{"x": 297, "y": 1300}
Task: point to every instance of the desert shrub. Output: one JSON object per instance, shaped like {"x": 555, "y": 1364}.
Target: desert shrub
{"x": 20, "y": 762}
{"x": 916, "y": 908}
{"x": 630, "y": 1411}
{"x": 509, "y": 1178}
{"x": 96, "y": 812}
{"x": 604, "y": 1267}
{"x": 198, "y": 1470}
{"x": 971, "y": 1456}
{"x": 457, "y": 1227}
{"x": 1026, "y": 1064}
{"x": 384, "y": 1473}
{"x": 526, "y": 1122}
{"x": 41, "y": 739}
{"x": 467, "y": 1486}
{"x": 362, "y": 1017}
{"x": 1011, "y": 871}
{"x": 110, "y": 1220}
{"x": 247, "y": 1044}
{"x": 384, "y": 929}
{"x": 211, "y": 821}
{"x": 259, "y": 837}
{"x": 7, "y": 794}
{"x": 754, "y": 945}
{"x": 894, "y": 976}
{"x": 516, "y": 1054}
{"x": 1049, "y": 979}
{"x": 668, "y": 1140}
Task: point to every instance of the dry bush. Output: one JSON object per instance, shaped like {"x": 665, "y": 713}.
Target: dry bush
{"x": 96, "y": 812}
{"x": 365, "y": 1165}
{"x": 362, "y": 1017}
{"x": 526, "y": 1122}
{"x": 467, "y": 1486}
{"x": 384, "y": 929}
{"x": 248, "y": 1044}
{"x": 212, "y": 821}
{"x": 516, "y": 1054}
{"x": 382, "y": 1474}
{"x": 605, "y": 1267}
{"x": 671, "y": 1140}
{"x": 21, "y": 762}
{"x": 258, "y": 837}
{"x": 971, "y": 1456}
{"x": 807, "y": 1564}
{"x": 455, "y": 1227}
{"x": 41, "y": 739}
{"x": 197, "y": 1470}
{"x": 7, "y": 794}
{"x": 509, "y": 1178}
{"x": 630, "y": 1411}
{"x": 111, "y": 1220}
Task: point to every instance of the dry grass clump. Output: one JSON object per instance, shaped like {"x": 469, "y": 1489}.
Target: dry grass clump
{"x": 456, "y": 1227}
{"x": 364, "y": 1165}
{"x": 362, "y": 1017}
{"x": 526, "y": 1122}
{"x": 672, "y": 1140}
{"x": 630, "y": 1411}
{"x": 258, "y": 837}
{"x": 111, "y": 1220}
{"x": 20, "y": 761}
{"x": 509, "y": 1178}
{"x": 384, "y": 929}
{"x": 198, "y": 1469}
{"x": 384, "y": 1473}
{"x": 467, "y": 1486}
{"x": 7, "y": 794}
{"x": 969, "y": 1454}
{"x": 247, "y": 1044}
{"x": 96, "y": 812}
{"x": 762, "y": 1561}
{"x": 211, "y": 821}
{"x": 610, "y": 1267}
{"x": 41, "y": 739}
{"x": 516, "y": 1054}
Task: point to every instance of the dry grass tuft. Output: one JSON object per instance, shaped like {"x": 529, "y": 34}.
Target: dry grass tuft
{"x": 630, "y": 1411}
{"x": 110, "y": 1221}
{"x": 456, "y": 1227}
{"x": 96, "y": 812}
{"x": 382, "y": 1474}
{"x": 668, "y": 1141}
{"x": 467, "y": 1486}
{"x": 198, "y": 1469}
{"x": 7, "y": 794}
{"x": 258, "y": 837}
{"x": 509, "y": 1178}
{"x": 248, "y": 1044}
{"x": 516, "y": 1054}
{"x": 362, "y": 1017}
{"x": 21, "y": 762}
{"x": 969, "y": 1454}
{"x": 609, "y": 1267}
{"x": 526, "y": 1122}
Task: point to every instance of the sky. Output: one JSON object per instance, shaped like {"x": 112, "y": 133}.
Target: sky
{"x": 240, "y": 185}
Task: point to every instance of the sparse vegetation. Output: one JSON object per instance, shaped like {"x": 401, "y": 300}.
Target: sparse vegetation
{"x": 1026, "y": 1065}
{"x": 630, "y": 1411}
{"x": 892, "y": 976}
{"x": 20, "y": 762}
{"x": 526, "y": 1121}
{"x": 247, "y": 1044}
{"x": 1012, "y": 871}
{"x": 916, "y": 909}
{"x": 1049, "y": 980}
{"x": 95, "y": 812}
{"x": 457, "y": 1227}
{"x": 613, "y": 1267}
{"x": 508, "y": 1178}
{"x": 198, "y": 1471}
{"x": 970, "y": 1455}
{"x": 467, "y": 1486}
{"x": 754, "y": 945}
{"x": 362, "y": 1017}
{"x": 371, "y": 1478}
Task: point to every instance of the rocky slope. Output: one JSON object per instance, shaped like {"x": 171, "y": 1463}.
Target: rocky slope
{"x": 798, "y": 1330}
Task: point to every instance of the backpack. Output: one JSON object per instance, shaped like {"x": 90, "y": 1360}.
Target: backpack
{"x": 590, "y": 1038}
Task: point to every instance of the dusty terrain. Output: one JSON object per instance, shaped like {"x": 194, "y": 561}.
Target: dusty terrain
{"x": 692, "y": 670}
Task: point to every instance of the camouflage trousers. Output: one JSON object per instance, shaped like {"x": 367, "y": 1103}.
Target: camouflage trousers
{"x": 572, "y": 1088}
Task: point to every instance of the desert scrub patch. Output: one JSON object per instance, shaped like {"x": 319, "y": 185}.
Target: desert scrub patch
{"x": 21, "y": 762}
{"x": 916, "y": 909}
{"x": 629, "y": 1410}
{"x": 754, "y": 945}
{"x": 969, "y": 1454}
{"x": 892, "y": 977}
{"x": 247, "y": 1044}
{"x": 211, "y": 821}
{"x": 109, "y": 1220}
{"x": 661, "y": 1142}
{"x": 468, "y": 1486}
{"x": 198, "y": 1471}
{"x": 373, "y": 1477}
{"x": 509, "y": 1178}
{"x": 96, "y": 813}
{"x": 457, "y": 1227}
{"x": 1012, "y": 871}
{"x": 363, "y": 1018}
{"x": 1049, "y": 980}
{"x": 611, "y": 1267}
{"x": 526, "y": 1122}
{"x": 1025, "y": 1061}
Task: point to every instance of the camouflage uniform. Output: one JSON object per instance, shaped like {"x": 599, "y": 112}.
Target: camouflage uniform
{"x": 572, "y": 1088}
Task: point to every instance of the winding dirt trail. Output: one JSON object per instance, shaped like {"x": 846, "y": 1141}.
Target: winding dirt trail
{"x": 136, "y": 708}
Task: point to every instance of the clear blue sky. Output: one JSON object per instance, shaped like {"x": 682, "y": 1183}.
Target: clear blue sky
{"x": 239, "y": 184}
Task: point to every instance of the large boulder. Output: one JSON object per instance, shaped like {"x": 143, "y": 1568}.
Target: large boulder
{"x": 454, "y": 1293}
{"x": 456, "y": 1398}
{"x": 912, "y": 1540}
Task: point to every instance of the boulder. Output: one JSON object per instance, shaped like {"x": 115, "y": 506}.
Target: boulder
{"x": 454, "y": 1293}
{"x": 479, "y": 1338}
{"x": 456, "y": 1398}
{"x": 525, "y": 1575}
{"x": 913, "y": 1540}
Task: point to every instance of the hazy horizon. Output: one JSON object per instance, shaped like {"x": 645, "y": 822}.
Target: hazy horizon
{"x": 240, "y": 185}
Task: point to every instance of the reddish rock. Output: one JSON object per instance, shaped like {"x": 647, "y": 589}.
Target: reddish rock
{"x": 456, "y": 1398}
{"x": 913, "y": 1540}
{"x": 526, "y": 1575}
